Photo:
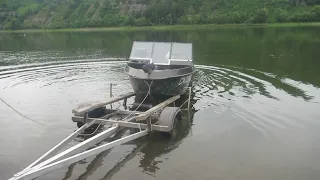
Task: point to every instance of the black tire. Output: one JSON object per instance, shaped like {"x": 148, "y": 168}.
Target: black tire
{"x": 174, "y": 130}
{"x": 170, "y": 116}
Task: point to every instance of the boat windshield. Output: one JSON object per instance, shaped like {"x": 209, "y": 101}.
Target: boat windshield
{"x": 162, "y": 53}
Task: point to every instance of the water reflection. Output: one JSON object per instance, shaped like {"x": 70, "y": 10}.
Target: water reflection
{"x": 98, "y": 161}
{"x": 158, "y": 146}
{"x": 225, "y": 79}
{"x": 255, "y": 88}
{"x": 284, "y": 52}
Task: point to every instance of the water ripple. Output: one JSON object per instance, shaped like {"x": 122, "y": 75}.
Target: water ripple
{"x": 256, "y": 101}
{"x": 258, "y": 98}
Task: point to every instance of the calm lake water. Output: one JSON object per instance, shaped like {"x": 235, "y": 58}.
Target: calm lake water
{"x": 255, "y": 104}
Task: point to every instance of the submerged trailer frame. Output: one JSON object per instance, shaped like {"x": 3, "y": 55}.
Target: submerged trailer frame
{"x": 52, "y": 160}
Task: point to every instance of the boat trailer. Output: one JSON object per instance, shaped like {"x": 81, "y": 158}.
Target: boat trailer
{"x": 161, "y": 117}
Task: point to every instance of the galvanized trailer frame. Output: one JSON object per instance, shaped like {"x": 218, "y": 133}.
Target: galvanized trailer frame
{"x": 52, "y": 160}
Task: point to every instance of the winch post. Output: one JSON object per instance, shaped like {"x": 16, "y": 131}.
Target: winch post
{"x": 149, "y": 125}
{"x": 85, "y": 117}
{"x": 189, "y": 101}
{"x": 125, "y": 103}
{"x": 111, "y": 94}
{"x": 189, "y": 98}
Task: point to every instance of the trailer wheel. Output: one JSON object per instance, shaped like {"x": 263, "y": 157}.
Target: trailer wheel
{"x": 170, "y": 117}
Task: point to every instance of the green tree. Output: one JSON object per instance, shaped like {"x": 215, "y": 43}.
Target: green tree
{"x": 3, "y": 3}
{"x": 236, "y": 17}
{"x": 13, "y": 23}
{"x": 141, "y": 22}
{"x": 98, "y": 13}
{"x": 260, "y": 16}
{"x": 281, "y": 15}
{"x": 302, "y": 17}
{"x": 169, "y": 19}
{"x": 315, "y": 13}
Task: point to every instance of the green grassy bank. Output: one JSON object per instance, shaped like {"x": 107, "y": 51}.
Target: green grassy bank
{"x": 165, "y": 27}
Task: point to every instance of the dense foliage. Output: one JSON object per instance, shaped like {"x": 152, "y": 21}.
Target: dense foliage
{"x": 27, "y": 14}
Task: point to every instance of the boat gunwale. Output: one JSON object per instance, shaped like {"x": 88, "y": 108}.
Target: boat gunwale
{"x": 158, "y": 74}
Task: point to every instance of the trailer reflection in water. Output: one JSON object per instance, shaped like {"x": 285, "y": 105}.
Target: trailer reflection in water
{"x": 157, "y": 145}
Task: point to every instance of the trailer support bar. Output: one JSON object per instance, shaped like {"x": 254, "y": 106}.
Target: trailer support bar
{"x": 73, "y": 159}
{"x": 91, "y": 106}
{"x": 126, "y": 124}
{"x": 57, "y": 147}
{"x": 145, "y": 115}
{"x": 80, "y": 147}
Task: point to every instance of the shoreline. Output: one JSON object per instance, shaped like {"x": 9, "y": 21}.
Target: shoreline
{"x": 163, "y": 27}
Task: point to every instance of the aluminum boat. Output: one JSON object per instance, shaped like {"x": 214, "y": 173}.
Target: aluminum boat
{"x": 160, "y": 68}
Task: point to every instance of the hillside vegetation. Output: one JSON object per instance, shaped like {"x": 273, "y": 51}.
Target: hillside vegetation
{"x": 53, "y": 14}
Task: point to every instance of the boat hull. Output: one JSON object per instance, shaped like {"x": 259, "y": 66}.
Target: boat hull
{"x": 169, "y": 87}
